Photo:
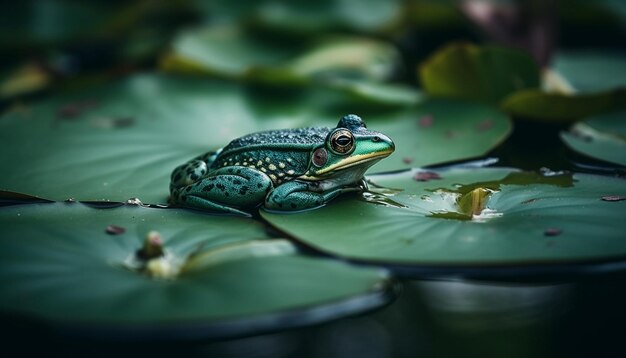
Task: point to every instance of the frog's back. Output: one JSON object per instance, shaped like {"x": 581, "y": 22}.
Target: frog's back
{"x": 296, "y": 138}
{"x": 282, "y": 154}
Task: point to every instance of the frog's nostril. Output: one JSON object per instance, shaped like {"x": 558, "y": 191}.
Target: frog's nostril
{"x": 376, "y": 139}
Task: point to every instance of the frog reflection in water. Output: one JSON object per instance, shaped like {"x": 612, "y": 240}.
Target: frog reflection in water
{"x": 283, "y": 170}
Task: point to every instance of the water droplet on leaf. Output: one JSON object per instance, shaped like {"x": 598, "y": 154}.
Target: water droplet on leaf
{"x": 613, "y": 198}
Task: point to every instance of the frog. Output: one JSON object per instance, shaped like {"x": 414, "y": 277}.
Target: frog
{"x": 284, "y": 170}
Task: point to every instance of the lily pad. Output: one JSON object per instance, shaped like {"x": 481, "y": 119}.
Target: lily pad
{"x": 226, "y": 50}
{"x": 590, "y": 72}
{"x": 541, "y": 105}
{"x": 122, "y": 140}
{"x": 234, "y": 52}
{"x": 76, "y": 268}
{"x": 490, "y": 73}
{"x": 602, "y": 137}
{"x": 591, "y": 88}
{"x": 438, "y": 131}
{"x": 343, "y": 62}
{"x": 485, "y": 221}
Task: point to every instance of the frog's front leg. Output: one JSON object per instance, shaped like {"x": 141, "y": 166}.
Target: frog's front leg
{"x": 228, "y": 189}
{"x": 297, "y": 195}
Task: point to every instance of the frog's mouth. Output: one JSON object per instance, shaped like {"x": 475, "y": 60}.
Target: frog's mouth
{"x": 350, "y": 162}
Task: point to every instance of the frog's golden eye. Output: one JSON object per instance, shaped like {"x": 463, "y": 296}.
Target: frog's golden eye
{"x": 342, "y": 141}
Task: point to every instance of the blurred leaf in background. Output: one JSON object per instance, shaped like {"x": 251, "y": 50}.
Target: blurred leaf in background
{"x": 67, "y": 40}
{"x": 581, "y": 84}
{"x": 488, "y": 74}
{"x": 602, "y": 137}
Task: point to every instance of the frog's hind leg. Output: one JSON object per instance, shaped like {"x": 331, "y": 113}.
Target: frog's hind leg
{"x": 209, "y": 157}
{"x": 297, "y": 195}
{"x": 188, "y": 173}
{"x": 193, "y": 170}
{"x": 229, "y": 189}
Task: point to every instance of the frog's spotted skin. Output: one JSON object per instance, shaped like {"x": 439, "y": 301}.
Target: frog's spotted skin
{"x": 279, "y": 166}
{"x": 291, "y": 169}
{"x": 193, "y": 170}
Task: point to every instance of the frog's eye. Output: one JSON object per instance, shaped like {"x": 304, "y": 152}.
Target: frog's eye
{"x": 320, "y": 157}
{"x": 342, "y": 141}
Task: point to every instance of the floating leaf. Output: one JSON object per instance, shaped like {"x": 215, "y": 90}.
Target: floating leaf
{"x": 344, "y": 62}
{"x": 602, "y": 137}
{"x": 233, "y": 52}
{"x": 227, "y": 51}
{"x": 590, "y": 72}
{"x": 122, "y": 140}
{"x": 483, "y": 221}
{"x": 349, "y": 57}
{"x": 593, "y": 88}
{"x": 218, "y": 276}
{"x": 490, "y": 73}
{"x": 378, "y": 93}
{"x": 439, "y": 131}
{"x": 537, "y": 104}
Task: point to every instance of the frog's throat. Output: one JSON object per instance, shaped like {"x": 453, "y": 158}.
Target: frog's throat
{"x": 347, "y": 163}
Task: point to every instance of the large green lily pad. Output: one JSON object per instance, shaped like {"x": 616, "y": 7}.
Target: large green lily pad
{"x": 122, "y": 140}
{"x": 438, "y": 131}
{"x": 602, "y": 137}
{"x": 74, "y": 267}
{"x": 471, "y": 218}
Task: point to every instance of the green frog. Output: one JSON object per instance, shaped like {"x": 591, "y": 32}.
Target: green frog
{"x": 282, "y": 170}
